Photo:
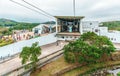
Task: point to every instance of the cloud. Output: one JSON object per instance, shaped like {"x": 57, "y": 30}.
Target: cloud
{"x": 96, "y": 9}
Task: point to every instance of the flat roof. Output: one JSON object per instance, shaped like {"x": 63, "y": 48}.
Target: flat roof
{"x": 69, "y": 17}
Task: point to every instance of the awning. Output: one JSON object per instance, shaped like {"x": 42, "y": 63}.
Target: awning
{"x": 69, "y": 17}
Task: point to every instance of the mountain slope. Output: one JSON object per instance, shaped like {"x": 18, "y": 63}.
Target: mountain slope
{"x": 7, "y": 22}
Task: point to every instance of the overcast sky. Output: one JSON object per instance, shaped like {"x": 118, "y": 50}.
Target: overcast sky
{"x": 91, "y": 9}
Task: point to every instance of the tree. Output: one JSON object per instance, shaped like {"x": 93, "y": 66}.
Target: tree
{"x": 102, "y": 43}
{"x": 30, "y": 54}
{"x": 89, "y": 48}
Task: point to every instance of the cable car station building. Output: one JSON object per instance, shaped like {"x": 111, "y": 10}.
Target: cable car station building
{"x": 68, "y": 27}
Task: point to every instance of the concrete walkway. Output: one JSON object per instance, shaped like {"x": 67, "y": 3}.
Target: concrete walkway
{"x": 16, "y": 62}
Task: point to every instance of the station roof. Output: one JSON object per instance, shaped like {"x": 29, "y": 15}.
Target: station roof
{"x": 69, "y": 17}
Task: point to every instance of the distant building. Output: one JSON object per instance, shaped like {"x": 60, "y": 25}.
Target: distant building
{"x": 38, "y": 29}
{"x": 44, "y": 28}
{"x": 89, "y": 26}
{"x": 22, "y": 35}
{"x": 114, "y": 36}
{"x": 93, "y": 26}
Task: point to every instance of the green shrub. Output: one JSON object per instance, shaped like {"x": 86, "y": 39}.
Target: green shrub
{"x": 89, "y": 48}
{"x": 118, "y": 74}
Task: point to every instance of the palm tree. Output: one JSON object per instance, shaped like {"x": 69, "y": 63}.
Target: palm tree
{"x": 30, "y": 54}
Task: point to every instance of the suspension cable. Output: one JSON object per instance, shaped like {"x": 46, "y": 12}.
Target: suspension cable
{"x": 74, "y": 10}
{"x": 74, "y": 7}
{"x": 29, "y": 8}
{"x": 37, "y": 8}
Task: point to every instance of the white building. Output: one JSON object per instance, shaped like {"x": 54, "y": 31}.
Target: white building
{"x": 114, "y": 36}
{"x": 88, "y": 26}
{"x": 41, "y": 29}
{"x": 93, "y": 26}
{"x": 38, "y": 29}
{"x": 100, "y": 30}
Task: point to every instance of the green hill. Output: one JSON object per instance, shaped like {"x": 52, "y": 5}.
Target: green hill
{"x": 112, "y": 25}
{"x": 13, "y": 25}
{"x": 16, "y": 25}
{"x": 49, "y": 22}
{"x": 7, "y": 22}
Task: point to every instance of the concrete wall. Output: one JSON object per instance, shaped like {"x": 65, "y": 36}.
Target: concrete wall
{"x": 17, "y": 47}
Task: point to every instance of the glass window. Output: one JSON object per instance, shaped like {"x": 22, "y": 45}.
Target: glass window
{"x": 111, "y": 38}
{"x": 63, "y": 37}
{"x": 96, "y": 30}
{"x": 90, "y": 23}
{"x": 115, "y": 39}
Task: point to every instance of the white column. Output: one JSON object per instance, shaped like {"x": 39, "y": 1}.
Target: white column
{"x": 56, "y": 26}
{"x": 80, "y": 28}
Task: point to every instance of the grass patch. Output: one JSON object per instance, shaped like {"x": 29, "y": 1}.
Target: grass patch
{"x": 90, "y": 68}
{"x": 5, "y": 42}
{"x": 60, "y": 64}
{"x": 118, "y": 74}
{"x": 52, "y": 67}
{"x": 109, "y": 75}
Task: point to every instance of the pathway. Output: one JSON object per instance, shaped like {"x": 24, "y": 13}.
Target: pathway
{"x": 16, "y": 62}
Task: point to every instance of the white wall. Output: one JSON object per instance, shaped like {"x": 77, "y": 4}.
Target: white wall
{"x": 93, "y": 26}
{"x": 17, "y": 47}
{"x": 114, "y": 37}
{"x": 103, "y": 31}
{"x": 39, "y": 28}
{"x": 100, "y": 30}
{"x": 88, "y": 26}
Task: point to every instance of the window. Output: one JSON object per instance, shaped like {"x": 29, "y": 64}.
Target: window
{"x": 90, "y": 23}
{"x": 111, "y": 38}
{"x": 115, "y": 39}
{"x": 96, "y": 30}
{"x": 75, "y": 37}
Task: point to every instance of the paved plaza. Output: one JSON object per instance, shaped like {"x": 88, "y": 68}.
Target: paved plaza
{"x": 16, "y": 62}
